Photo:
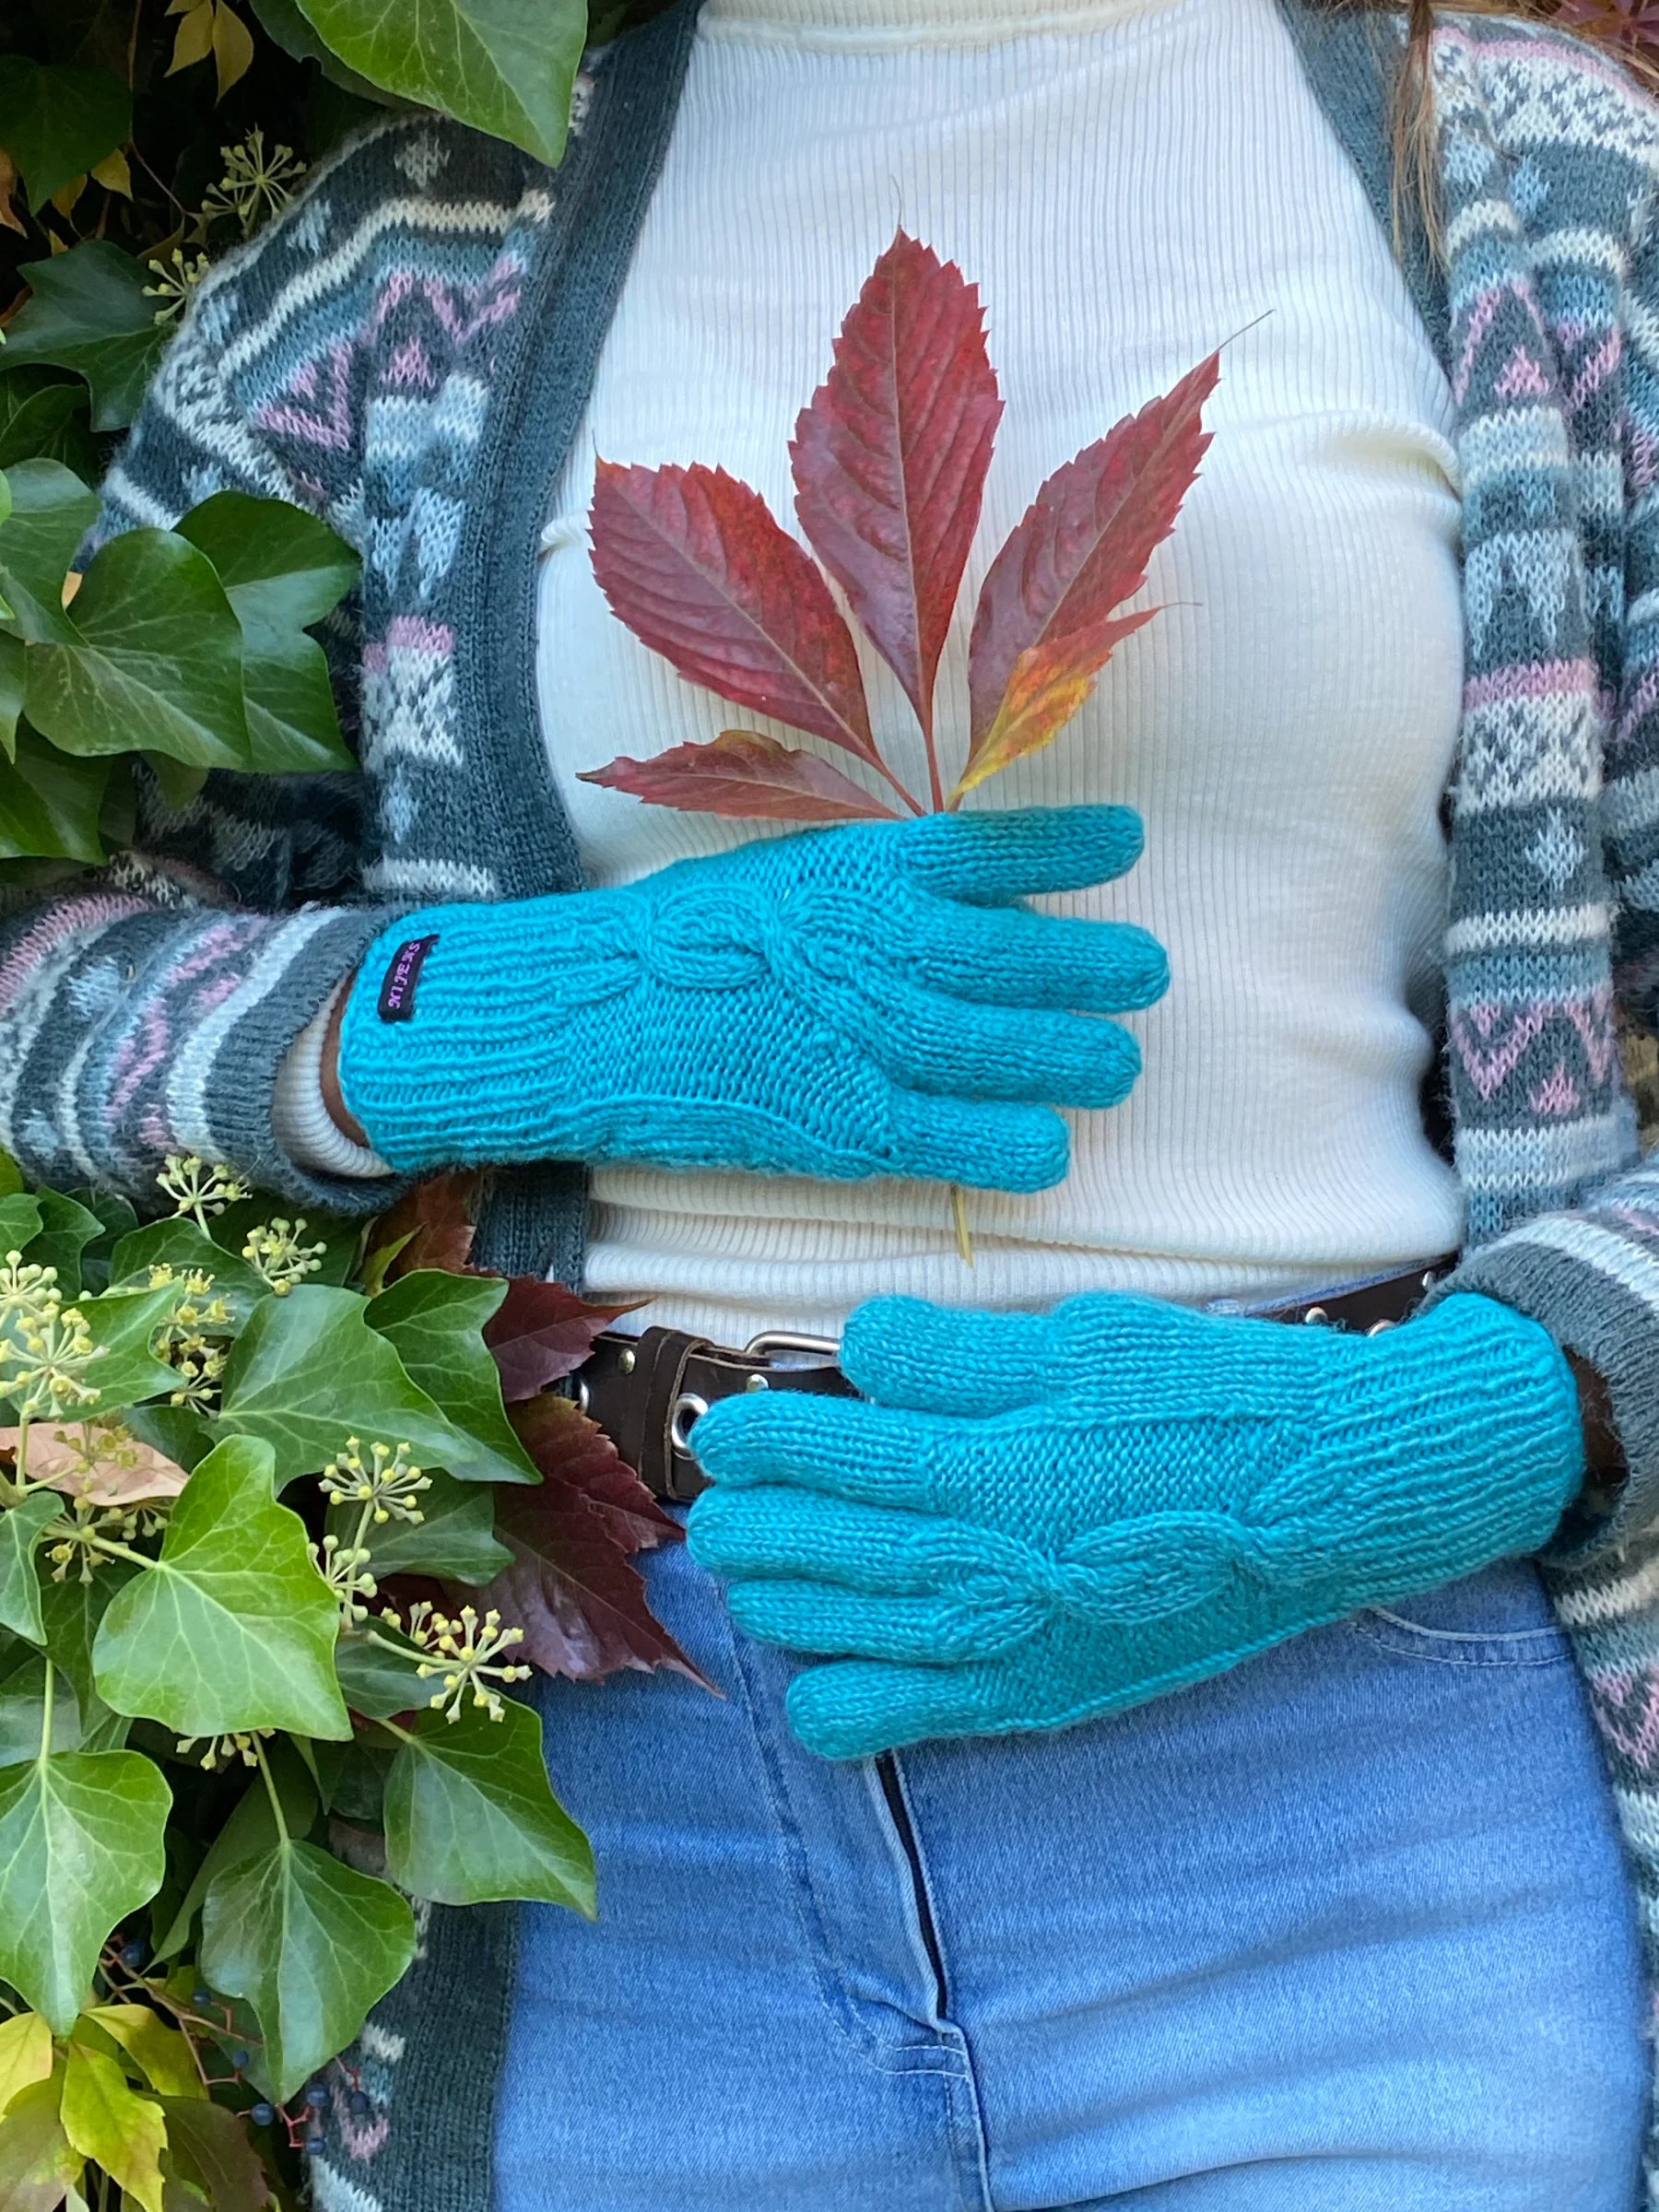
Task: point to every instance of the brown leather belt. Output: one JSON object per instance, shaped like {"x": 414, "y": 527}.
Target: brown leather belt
{"x": 647, "y": 1391}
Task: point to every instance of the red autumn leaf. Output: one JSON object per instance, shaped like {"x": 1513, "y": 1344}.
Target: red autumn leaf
{"x": 890, "y": 457}
{"x": 700, "y": 571}
{"x": 1084, "y": 543}
{"x": 436, "y": 1219}
{"x": 541, "y": 1332}
{"x": 1050, "y": 682}
{"x": 744, "y": 775}
{"x": 572, "y": 1587}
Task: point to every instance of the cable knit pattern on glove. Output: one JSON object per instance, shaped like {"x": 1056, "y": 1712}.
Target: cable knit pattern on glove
{"x": 1039, "y": 1518}
{"x": 847, "y": 1003}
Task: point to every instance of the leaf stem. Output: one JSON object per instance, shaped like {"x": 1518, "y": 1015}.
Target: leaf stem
{"x": 270, "y": 1789}
{"x": 909, "y": 796}
{"x": 46, "y": 1713}
{"x": 118, "y": 1551}
{"x": 21, "y": 1466}
{"x": 392, "y": 1728}
{"x": 958, "y": 1214}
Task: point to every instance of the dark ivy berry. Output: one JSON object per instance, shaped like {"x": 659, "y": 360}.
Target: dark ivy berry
{"x": 315, "y": 2147}
{"x": 199, "y": 1998}
{"x": 316, "y": 2094}
{"x": 262, "y": 2114}
{"x": 133, "y": 1953}
{"x": 357, "y": 2103}
{"x": 239, "y": 2059}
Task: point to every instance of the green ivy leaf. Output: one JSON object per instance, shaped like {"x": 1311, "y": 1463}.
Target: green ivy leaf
{"x": 13, "y": 654}
{"x": 180, "y": 1246}
{"x": 283, "y": 20}
{"x": 308, "y": 1372}
{"x": 22, "y": 1710}
{"x": 72, "y": 1610}
{"x": 232, "y": 1628}
{"x": 84, "y": 1829}
{"x": 455, "y": 1537}
{"x": 471, "y": 1816}
{"x": 20, "y": 1221}
{"x": 50, "y": 805}
{"x": 282, "y": 571}
{"x": 35, "y": 2156}
{"x": 434, "y": 1320}
{"x": 50, "y": 512}
{"x": 42, "y": 417}
{"x": 495, "y": 64}
{"x": 251, "y": 1829}
{"x": 90, "y": 313}
{"x": 379, "y": 1682}
{"x": 57, "y": 122}
{"x": 123, "y": 1324}
{"x": 19, "y": 1583}
{"x": 152, "y": 661}
{"x": 67, "y": 1228}
{"x": 312, "y": 1945}
{"x": 116, "y": 1218}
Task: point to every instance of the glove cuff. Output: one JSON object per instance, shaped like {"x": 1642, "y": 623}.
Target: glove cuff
{"x": 1469, "y": 1429}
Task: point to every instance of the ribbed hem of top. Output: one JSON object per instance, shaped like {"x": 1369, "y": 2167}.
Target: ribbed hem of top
{"x": 914, "y": 22}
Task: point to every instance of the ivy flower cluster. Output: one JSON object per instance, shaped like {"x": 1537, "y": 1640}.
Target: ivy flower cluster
{"x": 255, "y": 185}
{"x": 46, "y": 1346}
{"x": 465, "y": 1652}
{"x": 200, "y": 1189}
{"x": 275, "y": 1251}
{"x": 187, "y": 1341}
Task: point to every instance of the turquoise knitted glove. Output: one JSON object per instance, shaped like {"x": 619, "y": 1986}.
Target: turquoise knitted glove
{"x": 848, "y": 1002}
{"x": 1042, "y": 1518}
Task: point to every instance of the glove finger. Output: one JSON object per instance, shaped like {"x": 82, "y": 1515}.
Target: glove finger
{"x": 987, "y": 859}
{"x": 1011, "y": 957}
{"x": 838, "y": 1446}
{"x": 822, "y": 1617}
{"x": 963, "y": 1051}
{"x": 774, "y": 1533}
{"x": 903, "y": 1352}
{"x": 859, "y": 1708}
{"x": 988, "y": 1145}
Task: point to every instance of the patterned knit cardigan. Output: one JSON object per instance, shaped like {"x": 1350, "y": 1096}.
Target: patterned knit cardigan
{"x": 409, "y": 352}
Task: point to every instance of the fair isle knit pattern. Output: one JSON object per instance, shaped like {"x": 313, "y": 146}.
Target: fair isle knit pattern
{"x": 408, "y": 352}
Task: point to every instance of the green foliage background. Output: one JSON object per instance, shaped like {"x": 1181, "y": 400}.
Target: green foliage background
{"x": 226, "y": 1439}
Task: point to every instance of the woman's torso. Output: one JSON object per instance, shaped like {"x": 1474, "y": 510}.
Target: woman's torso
{"x": 1285, "y": 727}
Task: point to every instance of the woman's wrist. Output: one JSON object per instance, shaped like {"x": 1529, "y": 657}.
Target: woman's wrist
{"x": 334, "y": 1098}
{"x": 1604, "y": 1454}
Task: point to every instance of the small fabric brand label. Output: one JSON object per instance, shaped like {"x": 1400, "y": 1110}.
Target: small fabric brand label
{"x": 397, "y": 990}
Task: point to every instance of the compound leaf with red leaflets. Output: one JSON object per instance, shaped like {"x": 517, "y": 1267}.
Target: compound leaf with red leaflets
{"x": 1081, "y": 550}
{"x": 700, "y": 571}
{"x": 745, "y": 776}
{"x": 891, "y": 457}
{"x": 541, "y": 1332}
{"x": 430, "y": 1225}
{"x": 572, "y": 1587}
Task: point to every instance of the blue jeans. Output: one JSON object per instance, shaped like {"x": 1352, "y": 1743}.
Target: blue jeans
{"x": 1347, "y": 1930}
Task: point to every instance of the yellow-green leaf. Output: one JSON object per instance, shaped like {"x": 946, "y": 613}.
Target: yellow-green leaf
{"x": 192, "y": 41}
{"x": 162, "y": 2051}
{"x": 232, "y": 47}
{"x": 37, "y": 2164}
{"x": 112, "y": 2124}
{"x": 25, "y": 2054}
{"x": 1050, "y": 682}
{"x": 113, "y": 173}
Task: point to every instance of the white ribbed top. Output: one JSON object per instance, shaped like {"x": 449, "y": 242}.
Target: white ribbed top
{"x": 1129, "y": 181}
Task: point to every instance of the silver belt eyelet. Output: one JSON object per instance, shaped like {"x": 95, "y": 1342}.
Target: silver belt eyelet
{"x": 679, "y": 1428}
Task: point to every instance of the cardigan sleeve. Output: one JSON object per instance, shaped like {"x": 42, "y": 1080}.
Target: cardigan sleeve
{"x": 1591, "y": 1275}
{"x": 147, "y": 1009}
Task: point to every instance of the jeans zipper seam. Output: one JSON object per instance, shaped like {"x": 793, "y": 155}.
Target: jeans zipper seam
{"x": 892, "y": 1791}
